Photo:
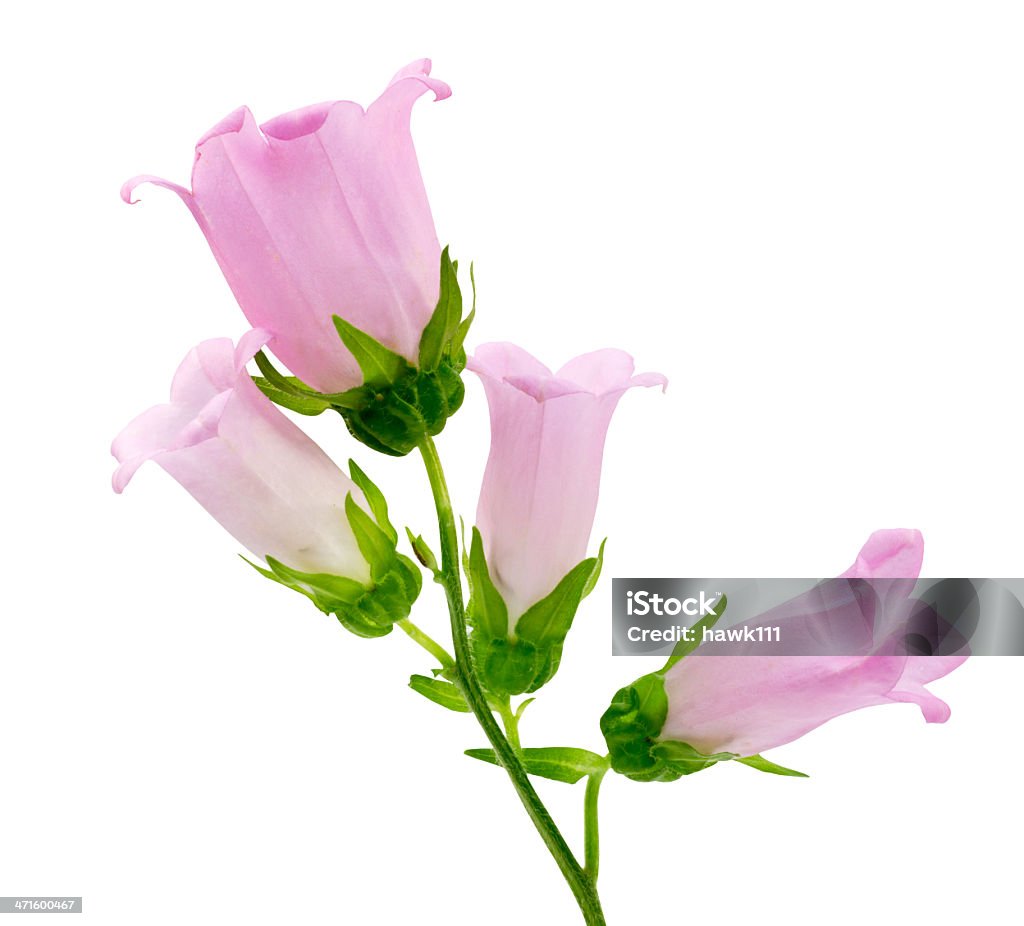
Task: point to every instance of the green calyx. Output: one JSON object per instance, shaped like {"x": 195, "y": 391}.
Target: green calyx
{"x": 634, "y": 720}
{"x": 372, "y": 609}
{"x": 526, "y": 657}
{"x": 398, "y": 402}
{"x": 631, "y": 726}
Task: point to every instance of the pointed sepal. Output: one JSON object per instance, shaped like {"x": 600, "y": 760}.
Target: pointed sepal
{"x": 764, "y": 765}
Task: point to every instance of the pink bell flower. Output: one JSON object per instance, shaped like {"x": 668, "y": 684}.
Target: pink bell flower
{"x": 322, "y": 212}
{"x": 540, "y": 487}
{"x": 748, "y": 704}
{"x": 247, "y": 464}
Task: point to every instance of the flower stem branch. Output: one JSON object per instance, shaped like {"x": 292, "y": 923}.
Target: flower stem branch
{"x": 591, "y": 836}
{"x": 579, "y": 881}
{"x": 510, "y": 720}
{"x": 429, "y": 644}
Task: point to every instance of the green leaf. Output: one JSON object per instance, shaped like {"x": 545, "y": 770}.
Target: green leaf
{"x": 764, "y": 765}
{"x": 445, "y": 319}
{"x": 487, "y": 609}
{"x": 423, "y": 553}
{"x": 380, "y": 365}
{"x": 440, "y": 692}
{"x": 557, "y": 763}
{"x": 548, "y": 621}
{"x": 374, "y": 543}
{"x": 684, "y": 647}
{"x": 375, "y": 499}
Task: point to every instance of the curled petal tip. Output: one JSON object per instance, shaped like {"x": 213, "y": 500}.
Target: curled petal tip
{"x": 128, "y": 187}
{"x": 420, "y": 70}
{"x": 651, "y": 379}
{"x": 123, "y": 474}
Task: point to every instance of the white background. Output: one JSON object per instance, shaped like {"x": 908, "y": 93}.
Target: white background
{"x": 810, "y": 216}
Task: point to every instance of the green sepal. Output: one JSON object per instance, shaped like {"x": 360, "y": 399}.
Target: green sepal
{"x": 547, "y": 622}
{"x": 375, "y": 499}
{"x": 557, "y": 763}
{"x": 287, "y": 391}
{"x": 303, "y": 404}
{"x": 509, "y": 667}
{"x": 377, "y": 547}
{"x": 684, "y": 647}
{"x": 440, "y": 692}
{"x": 764, "y": 765}
{"x": 631, "y": 723}
{"x": 379, "y": 365}
{"x": 682, "y": 759}
{"x": 596, "y": 572}
{"x": 445, "y": 320}
{"x": 487, "y": 612}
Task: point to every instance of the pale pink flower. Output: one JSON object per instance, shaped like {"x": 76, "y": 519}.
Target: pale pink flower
{"x": 247, "y": 464}
{"x": 747, "y": 704}
{"x": 540, "y": 488}
{"x": 322, "y": 212}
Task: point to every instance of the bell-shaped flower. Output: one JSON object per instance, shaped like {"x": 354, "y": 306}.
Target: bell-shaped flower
{"x": 540, "y": 487}
{"x": 746, "y": 704}
{"x": 322, "y": 212}
{"x": 247, "y": 464}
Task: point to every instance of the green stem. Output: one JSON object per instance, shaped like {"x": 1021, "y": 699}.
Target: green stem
{"x": 582, "y": 886}
{"x": 510, "y": 721}
{"x": 591, "y": 837}
{"x": 430, "y": 645}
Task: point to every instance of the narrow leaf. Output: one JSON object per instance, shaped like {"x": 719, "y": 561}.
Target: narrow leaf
{"x": 440, "y": 692}
{"x": 557, "y": 763}
{"x": 764, "y": 765}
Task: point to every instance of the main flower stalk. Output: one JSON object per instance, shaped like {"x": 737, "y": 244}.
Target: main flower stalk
{"x": 581, "y": 882}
